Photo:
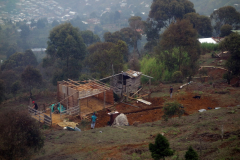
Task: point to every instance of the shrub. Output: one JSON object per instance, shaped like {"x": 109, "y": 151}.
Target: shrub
{"x": 20, "y": 135}
{"x": 209, "y": 47}
{"x": 177, "y": 77}
{"x": 161, "y": 148}
{"x": 171, "y": 109}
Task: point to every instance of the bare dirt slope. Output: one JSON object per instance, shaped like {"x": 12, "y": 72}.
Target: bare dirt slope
{"x": 214, "y": 134}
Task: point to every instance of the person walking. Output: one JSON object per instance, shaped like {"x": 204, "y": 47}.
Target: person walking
{"x": 35, "y": 106}
{"x": 94, "y": 117}
{"x": 171, "y": 91}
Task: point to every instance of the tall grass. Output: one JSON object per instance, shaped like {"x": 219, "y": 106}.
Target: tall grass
{"x": 210, "y": 46}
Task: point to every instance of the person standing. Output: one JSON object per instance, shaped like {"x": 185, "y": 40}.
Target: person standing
{"x": 171, "y": 91}
{"x": 94, "y": 117}
{"x": 35, "y": 106}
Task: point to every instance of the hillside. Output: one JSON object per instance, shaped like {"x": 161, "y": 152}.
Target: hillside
{"x": 214, "y": 134}
{"x": 206, "y": 7}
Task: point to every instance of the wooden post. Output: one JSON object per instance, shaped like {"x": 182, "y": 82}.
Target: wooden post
{"x": 104, "y": 99}
{"x": 122, "y": 84}
{"x": 87, "y": 102}
{"x": 51, "y": 116}
{"x": 60, "y": 111}
{"x": 149, "y": 88}
{"x": 126, "y": 93}
{"x": 150, "y": 84}
{"x": 67, "y": 97}
{"x": 79, "y": 108}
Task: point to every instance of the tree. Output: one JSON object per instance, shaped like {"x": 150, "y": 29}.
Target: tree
{"x": 15, "y": 88}
{"x": 55, "y": 23}
{"x": 191, "y": 154}
{"x": 20, "y": 60}
{"x": 41, "y": 23}
{"x": 164, "y": 12}
{"x": 201, "y": 23}
{"x": 11, "y": 50}
{"x": 9, "y": 77}
{"x": 20, "y": 135}
{"x": 116, "y": 16}
{"x": 25, "y": 31}
{"x": 89, "y": 38}
{"x": 174, "y": 59}
{"x": 181, "y": 35}
{"x": 171, "y": 109}
{"x": 137, "y": 25}
{"x": 77, "y": 22}
{"x": 112, "y": 37}
{"x": 103, "y": 57}
{"x": 226, "y": 30}
{"x": 65, "y": 42}
{"x": 224, "y": 15}
{"x": 161, "y": 148}
{"x": 31, "y": 77}
{"x": 177, "y": 77}
{"x": 231, "y": 44}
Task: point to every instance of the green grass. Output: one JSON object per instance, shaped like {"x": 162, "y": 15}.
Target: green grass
{"x": 132, "y": 143}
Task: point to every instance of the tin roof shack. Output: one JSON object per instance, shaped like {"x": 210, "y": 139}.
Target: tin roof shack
{"x": 89, "y": 95}
{"x": 127, "y": 83}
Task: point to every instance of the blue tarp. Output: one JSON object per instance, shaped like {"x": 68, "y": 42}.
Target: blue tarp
{"x": 62, "y": 108}
{"x": 52, "y": 107}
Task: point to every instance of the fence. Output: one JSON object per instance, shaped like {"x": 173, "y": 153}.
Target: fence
{"x": 40, "y": 116}
{"x": 69, "y": 112}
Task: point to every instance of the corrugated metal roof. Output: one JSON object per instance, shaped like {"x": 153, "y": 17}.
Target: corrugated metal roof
{"x": 133, "y": 74}
{"x": 207, "y": 40}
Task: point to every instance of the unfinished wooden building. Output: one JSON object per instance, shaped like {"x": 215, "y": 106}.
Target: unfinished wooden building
{"x": 127, "y": 83}
{"x": 84, "y": 97}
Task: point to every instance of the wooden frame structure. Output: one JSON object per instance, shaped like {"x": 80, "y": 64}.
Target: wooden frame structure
{"x": 71, "y": 92}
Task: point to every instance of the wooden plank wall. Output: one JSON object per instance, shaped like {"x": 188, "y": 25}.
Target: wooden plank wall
{"x": 132, "y": 85}
{"x": 63, "y": 92}
{"x": 108, "y": 96}
{"x": 117, "y": 86}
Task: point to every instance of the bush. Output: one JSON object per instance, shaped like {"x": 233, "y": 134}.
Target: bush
{"x": 20, "y": 135}
{"x": 209, "y": 47}
{"x": 177, "y": 77}
{"x": 171, "y": 109}
{"x": 161, "y": 148}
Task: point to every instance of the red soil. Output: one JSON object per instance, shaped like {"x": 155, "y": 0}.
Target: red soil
{"x": 154, "y": 112}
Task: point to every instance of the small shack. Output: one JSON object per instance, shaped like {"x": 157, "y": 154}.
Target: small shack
{"x": 127, "y": 83}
